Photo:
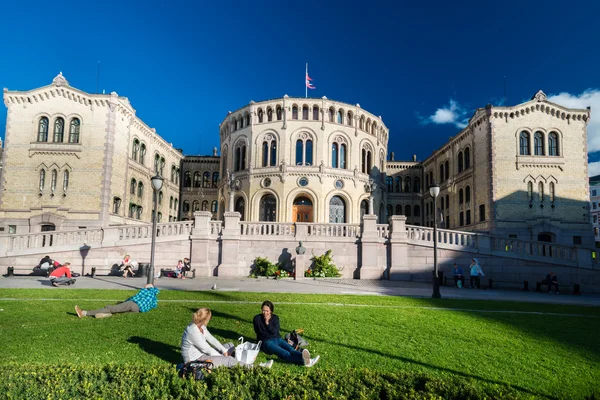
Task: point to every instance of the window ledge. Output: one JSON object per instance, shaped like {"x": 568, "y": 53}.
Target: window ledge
{"x": 540, "y": 161}
{"x": 46, "y": 147}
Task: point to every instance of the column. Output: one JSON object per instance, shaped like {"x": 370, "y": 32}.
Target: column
{"x": 230, "y": 246}
{"x": 370, "y": 267}
{"x": 399, "y": 265}
{"x": 201, "y": 243}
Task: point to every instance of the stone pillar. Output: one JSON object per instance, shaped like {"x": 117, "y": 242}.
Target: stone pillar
{"x": 484, "y": 243}
{"x": 110, "y": 236}
{"x": 584, "y": 258}
{"x": 300, "y": 265}
{"x": 230, "y": 246}
{"x": 201, "y": 244}
{"x": 399, "y": 266}
{"x": 370, "y": 268}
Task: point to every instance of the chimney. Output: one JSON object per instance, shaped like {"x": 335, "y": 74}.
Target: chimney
{"x": 392, "y": 156}
{"x": 414, "y": 158}
{"x": 215, "y": 152}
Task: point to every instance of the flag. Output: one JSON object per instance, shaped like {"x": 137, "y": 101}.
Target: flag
{"x": 308, "y": 84}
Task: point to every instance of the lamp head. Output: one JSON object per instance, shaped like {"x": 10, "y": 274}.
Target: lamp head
{"x": 157, "y": 182}
{"x": 434, "y": 190}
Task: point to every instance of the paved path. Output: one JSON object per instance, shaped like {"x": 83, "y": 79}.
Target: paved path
{"x": 308, "y": 286}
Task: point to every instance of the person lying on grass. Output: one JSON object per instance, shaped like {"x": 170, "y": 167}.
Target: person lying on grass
{"x": 197, "y": 344}
{"x": 142, "y": 301}
{"x": 266, "y": 326}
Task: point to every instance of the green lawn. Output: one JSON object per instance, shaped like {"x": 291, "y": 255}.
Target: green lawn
{"x": 540, "y": 355}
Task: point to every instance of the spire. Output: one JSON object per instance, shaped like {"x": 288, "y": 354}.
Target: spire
{"x": 60, "y": 80}
{"x": 539, "y": 96}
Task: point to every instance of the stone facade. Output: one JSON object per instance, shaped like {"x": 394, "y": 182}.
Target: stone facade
{"x": 595, "y": 206}
{"x": 199, "y": 185}
{"x": 74, "y": 160}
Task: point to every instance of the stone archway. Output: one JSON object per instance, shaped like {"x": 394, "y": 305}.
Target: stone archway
{"x": 302, "y": 209}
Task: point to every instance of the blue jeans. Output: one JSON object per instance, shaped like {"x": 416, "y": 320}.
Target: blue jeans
{"x": 283, "y": 350}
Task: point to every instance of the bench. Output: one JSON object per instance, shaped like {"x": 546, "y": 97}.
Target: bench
{"x": 539, "y": 284}
{"x": 164, "y": 272}
{"x": 12, "y": 271}
{"x": 492, "y": 281}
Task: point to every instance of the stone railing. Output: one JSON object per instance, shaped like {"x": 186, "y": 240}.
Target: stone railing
{"x": 444, "y": 236}
{"x": 267, "y": 228}
{"x": 177, "y": 228}
{"x": 333, "y": 230}
{"x": 383, "y": 231}
{"x": 536, "y": 249}
{"x": 216, "y": 228}
{"x": 54, "y": 239}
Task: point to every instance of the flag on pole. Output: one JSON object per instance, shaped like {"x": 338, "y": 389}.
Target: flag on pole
{"x": 308, "y": 79}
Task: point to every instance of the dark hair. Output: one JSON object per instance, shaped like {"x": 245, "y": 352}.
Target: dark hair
{"x": 268, "y": 304}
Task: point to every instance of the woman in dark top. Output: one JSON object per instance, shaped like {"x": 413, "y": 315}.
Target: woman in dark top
{"x": 266, "y": 326}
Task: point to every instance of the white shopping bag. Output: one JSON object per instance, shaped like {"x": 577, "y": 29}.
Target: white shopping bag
{"x": 246, "y": 352}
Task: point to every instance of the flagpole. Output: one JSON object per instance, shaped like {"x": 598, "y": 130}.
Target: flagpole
{"x": 305, "y": 83}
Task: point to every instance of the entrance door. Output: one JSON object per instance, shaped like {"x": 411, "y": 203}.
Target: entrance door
{"x": 302, "y": 210}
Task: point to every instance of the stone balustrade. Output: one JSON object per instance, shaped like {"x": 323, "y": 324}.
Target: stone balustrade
{"x": 177, "y": 228}
{"x": 383, "y": 231}
{"x": 53, "y": 239}
{"x": 333, "y": 230}
{"x": 537, "y": 249}
{"x": 216, "y": 228}
{"x": 267, "y": 228}
{"x": 424, "y": 234}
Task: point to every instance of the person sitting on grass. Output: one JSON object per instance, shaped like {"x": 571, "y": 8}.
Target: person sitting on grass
{"x": 197, "y": 344}
{"x": 266, "y": 326}
{"x": 551, "y": 280}
{"x": 142, "y": 301}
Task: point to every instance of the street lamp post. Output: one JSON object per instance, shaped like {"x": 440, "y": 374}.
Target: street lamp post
{"x": 371, "y": 187}
{"x": 157, "y": 182}
{"x": 434, "y": 191}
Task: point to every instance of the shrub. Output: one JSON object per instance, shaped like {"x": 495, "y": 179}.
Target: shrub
{"x": 323, "y": 267}
{"x": 153, "y": 381}
{"x": 263, "y": 267}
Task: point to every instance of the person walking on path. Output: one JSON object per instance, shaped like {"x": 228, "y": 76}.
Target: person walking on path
{"x": 197, "y": 344}
{"x": 476, "y": 273}
{"x": 266, "y": 326}
{"x": 552, "y": 281}
{"x": 142, "y": 301}
{"x": 457, "y": 273}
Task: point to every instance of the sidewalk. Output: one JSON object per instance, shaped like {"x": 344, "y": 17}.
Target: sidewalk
{"x": 306, "y": 286}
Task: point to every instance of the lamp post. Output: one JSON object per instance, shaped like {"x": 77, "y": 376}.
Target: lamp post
{"x": 434, "y": 191}
{"x": 157, "y": 182}
{"x": 233, "y": 185}
{"x": 371, "y": 187}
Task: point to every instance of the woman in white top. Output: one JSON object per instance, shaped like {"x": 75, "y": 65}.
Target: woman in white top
{"x": 197, "y": 344}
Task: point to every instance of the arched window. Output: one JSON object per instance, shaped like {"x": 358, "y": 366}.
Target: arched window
{"x": 215, "y": 179}
{"x": 187, "y": 179}
{"x": 389, "y": 210}
{"x": 530, "y": 191}
{"x": 214, "y": 207}
{"x": 304, "y": 152}
{"x": 205, "y": 205}
{"x": 361, "y": 123}
{"x": 156, "y": 164}
{"x": 59, "y": 130}
{"x": 366, "y": 161}
{"x": 43, "y": 130}
{"x": 460, "y": 196}
{"x": 337, "y": 210}
{"x": 269, "y": 149}
{"x": 65, "y": 180}
{"x": 340, "y": 117}
{"x": 441, "y": 173}
{"x": 295, "y": 112}
{"x": 74, "y": 131}
{"x": 552, "y": 192}
{"x": 140, "y": 190}
{"x": 173, "y": 170}
{"x": 138, "y": 213}
{"x": 162, "y": 167}
{"x": 132, "y": 187}
{"x": 417, "y": 211}
{"x": 278, "y": 111}
{"x": 407, "y": 184}
{"x": 343, "y": 156}
{"x": 315, "y": 113}
{"x": 407, "y": 210}
{"x": 175, "y": 205}
{"x": 160, "y": 197}
{"x": 442, "y": 202}
{"x": 390, "y": 183}
{"x": 268, "y": 208}
{"x": 553, "y": 144}
{"x": 460, "y": 162}
{"x": 427, "y": 180}
{"x": 305, "y": 112}
{"x": 186, "y": 206}
{"x": 240, "y": 157}
{"x": 42, "y": 179}
{"x": 170, "y": 202}
{"x": 398, "y": 186}
{"x": 349, "y": 118}
{"x": 331, "y": 114}
{"x": 447, "y": 169}
{"x": 398, "y": 209}
{"x": 247, "y": 120}
{"x": 240, "y": 206}
{"x": 467, "y": 158}
{"x": 447, "y": 202}
{"x": 260, "y": 115}
{"x": 538, "y": 144}
{"x": 468, "y": 194}
{"x": 54, "y": 179}
{"x": 197, "y": 179}
{"x": 206, "y": 180}
{"x": 135, "y": 150}
{"x": 541, "y": 191}
{"x": 142, "y": 153}
{"x": 417, "y": 186}
{"x": 524, "y": 143}
{"x": 334, "y": 155}
{"x": 269, "y": 114}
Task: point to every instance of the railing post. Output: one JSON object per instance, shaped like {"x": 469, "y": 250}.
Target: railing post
{"x": 370, "y": 267}
{"x": 200, "y": 238}
{"x": 484, "y": 244}
{"x": 584, "y": 258}
{"x": 110, "y": 236}
{"x": 230, "y": 240}
{"x": 399, "y": 269}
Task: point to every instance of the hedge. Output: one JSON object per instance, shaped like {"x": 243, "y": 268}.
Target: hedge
{"x": 142, "y": 381}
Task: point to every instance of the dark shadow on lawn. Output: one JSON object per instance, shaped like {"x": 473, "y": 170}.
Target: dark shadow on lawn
{"x": 118, "y": 283}
{"x": 164, "y": 351}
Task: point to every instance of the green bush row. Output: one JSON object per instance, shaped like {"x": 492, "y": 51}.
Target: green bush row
{"x": 148, "y": 381}
{"x": 322, "y": 267}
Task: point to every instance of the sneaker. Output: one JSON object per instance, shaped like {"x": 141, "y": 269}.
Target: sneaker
{"x": 306, "y": 357}
{"x": 267, "y": 364}
{"x": 313, "y": 361}
{"x": 103, "y": 315}
{"x": 80, "y": 312}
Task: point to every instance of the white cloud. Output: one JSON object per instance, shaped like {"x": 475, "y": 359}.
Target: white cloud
{"x": 594, "y": 168}
{"x": 453, "y": 113}
{"x": 590, "y": 97}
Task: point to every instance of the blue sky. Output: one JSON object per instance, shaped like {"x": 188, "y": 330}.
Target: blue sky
{"x": 423, "y": 67}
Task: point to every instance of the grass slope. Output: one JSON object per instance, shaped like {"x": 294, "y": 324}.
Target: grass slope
{"x": 552, "y": 356}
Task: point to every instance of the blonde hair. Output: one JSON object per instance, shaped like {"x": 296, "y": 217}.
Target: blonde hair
{"x": 201, "y": 316}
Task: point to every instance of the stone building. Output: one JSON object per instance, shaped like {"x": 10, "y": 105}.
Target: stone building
{"x": 595, "y": 206}
{"x": 79, "y": 160}
{"x": 199, "y": 185}
{"x": 303, "y": 160}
